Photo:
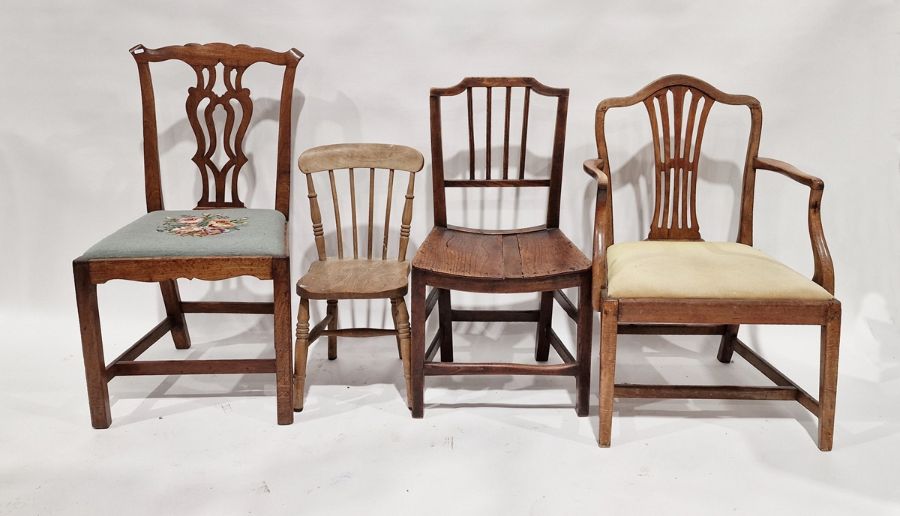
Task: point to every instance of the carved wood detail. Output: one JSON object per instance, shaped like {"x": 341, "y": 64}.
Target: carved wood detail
{"x": 202, "y": 99}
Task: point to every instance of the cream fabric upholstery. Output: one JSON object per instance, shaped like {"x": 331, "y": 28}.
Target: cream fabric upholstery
{"x": 723, "y": 270}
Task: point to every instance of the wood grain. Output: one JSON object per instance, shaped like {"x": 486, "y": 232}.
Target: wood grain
{"x": 538, "y": 259}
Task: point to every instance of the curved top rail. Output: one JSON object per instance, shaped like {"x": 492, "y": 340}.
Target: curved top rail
{"x": 500, "y": 82}
{"x": 210, "y": 54}
{"x": 360, "y": 155}
{"x": 670, "y": 81}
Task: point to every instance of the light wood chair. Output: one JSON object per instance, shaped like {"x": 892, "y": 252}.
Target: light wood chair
{"x": 216, "y": 240}
{"x": 538, "y": 259}
{"x": 674, "y": 283}
{"x": 369, "y": 274}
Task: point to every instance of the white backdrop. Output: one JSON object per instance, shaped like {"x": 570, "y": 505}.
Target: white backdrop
{"x": 827, "y": 75}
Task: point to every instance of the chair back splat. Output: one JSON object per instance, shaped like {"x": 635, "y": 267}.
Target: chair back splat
{"x": 216, "y": 63}
{"x": 678, "y": 107}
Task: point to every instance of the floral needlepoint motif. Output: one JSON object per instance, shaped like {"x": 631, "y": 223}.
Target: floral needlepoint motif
{"x": 200, "y": 225}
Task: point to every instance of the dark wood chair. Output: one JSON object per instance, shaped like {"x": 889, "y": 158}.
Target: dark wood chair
{"x": 218, "y": 239}
{"x": 674, "y": 283}
{"x": 366, "y": 275}
{"x": 538, "y": 259}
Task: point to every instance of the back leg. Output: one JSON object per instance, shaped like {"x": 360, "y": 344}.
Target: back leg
{"x": 332, "y": 325}
{"x": 172, "y": 301}
{"x": 726, "y": 345}
{"x": 542, "y": 341}
{"x": 445, "y": 325}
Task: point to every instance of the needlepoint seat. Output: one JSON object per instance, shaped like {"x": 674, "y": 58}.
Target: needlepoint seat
{"x": 235, "y": 232}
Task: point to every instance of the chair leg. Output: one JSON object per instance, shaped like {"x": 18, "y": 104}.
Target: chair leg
{"x": 417, "y": 346}
{"x": 726, "y": 345}
{"x": 332, "y": 339}
{"x": 609, "y": 327}
{"x": 583, "y": 348}
{"x": 172, "y": 301}
{"x": 92, "y": 347}
{"x": 542, "y": 340}
{"x": 828, "y": 373}
{"x": 401, "y": 322}
{"x": 281, "y": 279}
{"x": 301, "y": 351}
{"x": 445, "y": 325}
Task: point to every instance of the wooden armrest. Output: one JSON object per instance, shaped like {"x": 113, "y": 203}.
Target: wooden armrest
{"x": 824, "y": 267}
{"x": 788, "y": 170}
{"x": 594, "y": 168}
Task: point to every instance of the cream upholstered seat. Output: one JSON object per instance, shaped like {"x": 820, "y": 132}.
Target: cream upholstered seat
{"x": 711, "y": 270}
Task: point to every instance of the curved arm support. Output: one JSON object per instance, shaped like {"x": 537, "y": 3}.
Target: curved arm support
{"x": 824, "y": 267}
{"x": 596, "y": 168}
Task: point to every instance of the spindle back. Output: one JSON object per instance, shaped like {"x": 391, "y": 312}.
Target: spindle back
{"x": 349, "y": 158}
{"x": 473, "y": 86}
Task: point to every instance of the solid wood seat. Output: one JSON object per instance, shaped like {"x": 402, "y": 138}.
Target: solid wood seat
{"x": 538, "y": 259}
{"x": 533, "y": 255}
{"x": 355, "y": 279}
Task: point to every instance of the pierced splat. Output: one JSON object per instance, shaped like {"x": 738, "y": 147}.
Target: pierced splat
{"x": 676, "y": 148}
{"x": 202, "y": 102}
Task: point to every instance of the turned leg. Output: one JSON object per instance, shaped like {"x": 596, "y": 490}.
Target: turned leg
{"x": 172, "y": 301}
{"x": 417, "y": 346}
{"x": 608, "y": 333}
{"x": 726, "y": 345}
{"x": 300, "y": 353}
{"x": 332, "y": 339}
{"x": 828, "y": 373}
{"x": 542, "y": 340}
{"x": 445, "y": 325}
{"x": 92, "y": 347}
{"x": 401, "y": 322}
{"x": 583, "y": 348}
{"x": 281, "y": 279}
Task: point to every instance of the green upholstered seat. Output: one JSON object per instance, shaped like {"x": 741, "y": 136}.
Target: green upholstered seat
{"x": 241, "y": 232}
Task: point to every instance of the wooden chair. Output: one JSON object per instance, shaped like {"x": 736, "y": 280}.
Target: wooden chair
{"x": 674, "y": 283}
{"x": 539, "y": 259}
{"x": 367, "y": 275}
{"x": 218, "y": 239}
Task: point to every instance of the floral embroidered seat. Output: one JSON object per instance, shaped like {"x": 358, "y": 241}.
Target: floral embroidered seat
{"x": 217, "y": 232}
